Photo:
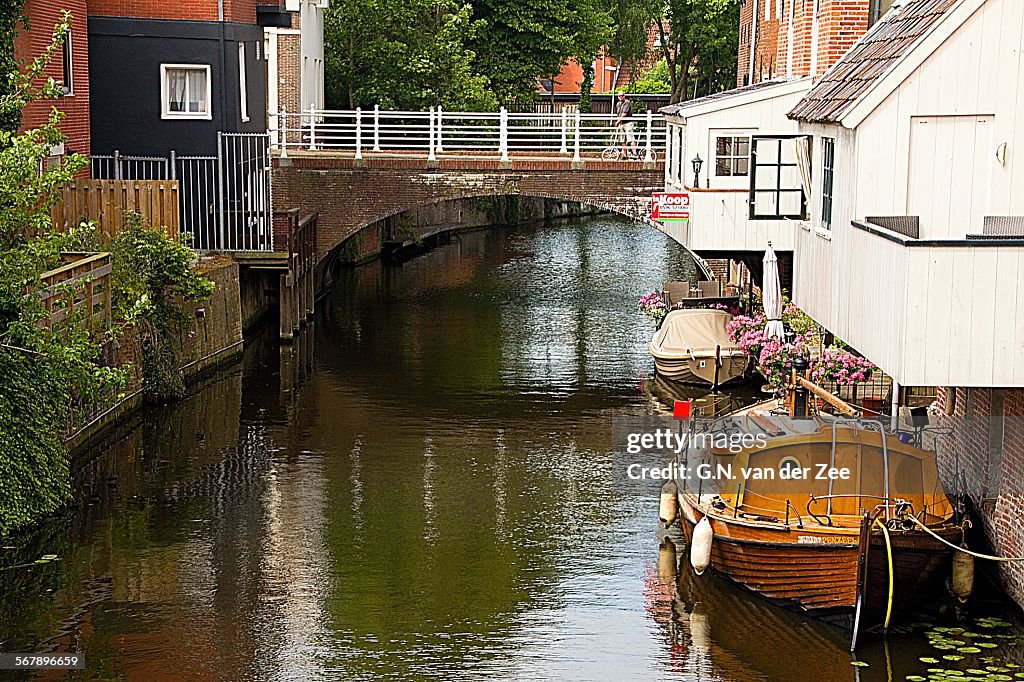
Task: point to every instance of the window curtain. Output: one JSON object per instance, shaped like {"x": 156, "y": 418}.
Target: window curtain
{"x": 802, "y": 145}
{"x": 197, "y": 91}
{"x": 176, "y": 84}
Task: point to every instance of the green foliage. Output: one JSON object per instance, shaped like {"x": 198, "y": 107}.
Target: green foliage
{"x": 403, "y": 54}
{"x": 523, "y": 40}
{"x": 152, "y": 275}
{"x": 586, "y": 103}
{"x": 654, "y": 81}
{"x": 45, "y": 372}
{"x": 698, "y": 41}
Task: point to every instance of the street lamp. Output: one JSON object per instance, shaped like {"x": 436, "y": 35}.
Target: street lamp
{"x": 697, "y": 163}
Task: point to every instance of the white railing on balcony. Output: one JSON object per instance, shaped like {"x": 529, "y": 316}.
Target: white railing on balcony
{"x": 436, "y": 132}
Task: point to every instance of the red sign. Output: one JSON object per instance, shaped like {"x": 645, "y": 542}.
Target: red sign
{"x": 681, "y": 409}
{"x": 669, "y": 206}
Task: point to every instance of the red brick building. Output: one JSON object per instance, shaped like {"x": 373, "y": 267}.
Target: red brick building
{"x": 70, "y": 66}
{"x": 794, "y": 38}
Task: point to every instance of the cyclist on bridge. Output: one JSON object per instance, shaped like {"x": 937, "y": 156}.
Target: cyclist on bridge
{"x": 624, "y": 125}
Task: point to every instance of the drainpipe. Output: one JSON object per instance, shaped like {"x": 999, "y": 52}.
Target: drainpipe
{"x": 753, "y": 42}
{"x": 220, "y": 10}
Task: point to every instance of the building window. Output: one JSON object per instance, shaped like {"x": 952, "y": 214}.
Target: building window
{"x": 67, "y": 52}
{"x": 828, "y": 162}
{"x": 776, "y": 191}
{"x": 877, "y": 10}
{"x": 243, "y": 89}
{"x": 185, "y": 91}
{"x": 732, "y": 155}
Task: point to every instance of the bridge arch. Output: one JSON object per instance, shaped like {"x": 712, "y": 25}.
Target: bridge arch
{"x": 352, "y": 194}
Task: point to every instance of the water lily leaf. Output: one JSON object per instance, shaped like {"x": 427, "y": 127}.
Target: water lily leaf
{"x": 969, "y": 650}
{"x": 928, "y": 659}
{"x": 49, "y": 557}
{"x": 986, "y": 645}
{"x": 859, "y": 664}
{"x": 953, "y": 657}
{"x": 916, "y": 678}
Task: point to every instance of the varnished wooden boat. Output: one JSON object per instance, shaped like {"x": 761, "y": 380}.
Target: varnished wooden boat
{"x": 818, "y": 546}
{"x": 693, "y": 346}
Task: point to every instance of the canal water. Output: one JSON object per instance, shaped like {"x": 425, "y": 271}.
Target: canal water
{"x": 419, "y": 490}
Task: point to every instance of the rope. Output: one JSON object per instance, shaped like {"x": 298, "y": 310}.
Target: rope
{"x": 888, "y": 549}
{"x": 962, "y": 549}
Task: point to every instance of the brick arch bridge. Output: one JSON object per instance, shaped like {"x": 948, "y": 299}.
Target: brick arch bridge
{"x": 350, "y": 194}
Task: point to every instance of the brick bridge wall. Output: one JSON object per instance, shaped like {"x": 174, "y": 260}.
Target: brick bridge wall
{"x": 350, "y": 195}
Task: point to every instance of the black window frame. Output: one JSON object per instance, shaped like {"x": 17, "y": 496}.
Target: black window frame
{"x": 828, "y": 179}
{"x": 779, "y": 190}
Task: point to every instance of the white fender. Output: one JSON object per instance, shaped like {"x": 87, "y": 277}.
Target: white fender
{"x": 700, "y": 546}
{"x": 668, "y": 510}
{"x": 963, "y": 575}
{"x": 667, "y": 562}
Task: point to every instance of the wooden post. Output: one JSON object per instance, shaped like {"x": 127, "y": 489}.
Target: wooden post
{"x": 286, "y": 306}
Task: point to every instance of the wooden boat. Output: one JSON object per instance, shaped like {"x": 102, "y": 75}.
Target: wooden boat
{"x": 693, "y": 346}
{"x": 823, "y": 545}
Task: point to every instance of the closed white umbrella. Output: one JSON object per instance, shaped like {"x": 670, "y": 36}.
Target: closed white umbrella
{"x": 771, "y": 295}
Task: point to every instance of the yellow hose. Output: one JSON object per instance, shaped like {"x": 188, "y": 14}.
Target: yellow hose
{"x": 888, "y": 550}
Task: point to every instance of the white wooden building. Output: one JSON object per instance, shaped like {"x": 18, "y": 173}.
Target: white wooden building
{"x": 914, "y": 248}
{"x": 748, "y": 191}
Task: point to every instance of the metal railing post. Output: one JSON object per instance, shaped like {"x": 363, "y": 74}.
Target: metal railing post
{"x": 650, "y": 122}
{"x": 503, "y": 134}
{"x": 430, "y": 137}
{"x": 376, "y": 127}
{"x": 282, "y": 129}
{"x": 359, "y": 132}
{"x": 174, "y": 166}
{"x": 565, "y": 126}
{"x": 312, "y": 128}
{"x": 221, "y": 209}
{"x": 668, "y": 156}
{"x": 576, "y": 139}
{"x": 117, "y": 165}
{"x": 440, "y": 120}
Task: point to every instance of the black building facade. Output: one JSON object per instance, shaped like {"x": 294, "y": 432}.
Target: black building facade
{"x": 160, "y": 85}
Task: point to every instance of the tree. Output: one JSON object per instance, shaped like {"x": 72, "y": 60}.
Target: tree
{"x": 10, "y": 17}
{"x": 523, "y": 40}
{"x": 698, "y": 40}
{"x": 654, "y": 81}
{"x": 402, "y": 54}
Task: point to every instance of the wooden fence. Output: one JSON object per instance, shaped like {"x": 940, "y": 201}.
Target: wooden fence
{"x": 80, "y": 286}
{"x": 107, "y": 201}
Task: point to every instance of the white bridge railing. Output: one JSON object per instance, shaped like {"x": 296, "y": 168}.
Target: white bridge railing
{"x": 437, "y": 132}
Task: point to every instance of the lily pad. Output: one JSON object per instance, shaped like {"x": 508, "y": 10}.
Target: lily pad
{"x": 952, "y": 657}
{"x": 928, "y": 659}
{"x": 969, "y": 650}
{"x": 916, "y": 678}
{"x": 986, "y": 645}
{"x": 859, "y": 664}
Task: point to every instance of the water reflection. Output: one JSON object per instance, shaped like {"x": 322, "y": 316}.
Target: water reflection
{"x": 419, "y": 488}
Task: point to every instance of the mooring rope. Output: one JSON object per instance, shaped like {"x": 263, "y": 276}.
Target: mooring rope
{"x": 979, "y": 555}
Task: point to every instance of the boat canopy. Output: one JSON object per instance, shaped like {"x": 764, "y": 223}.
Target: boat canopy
{"x": 694, "y": 331}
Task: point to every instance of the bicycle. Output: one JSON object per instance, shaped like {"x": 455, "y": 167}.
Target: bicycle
{"x": 615, "y": 151}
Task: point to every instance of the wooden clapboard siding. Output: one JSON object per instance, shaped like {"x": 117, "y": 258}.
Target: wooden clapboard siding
{"x": 719, "y": 220}
{"x": 107, "y": 201}
{"x": 942, "y": 314}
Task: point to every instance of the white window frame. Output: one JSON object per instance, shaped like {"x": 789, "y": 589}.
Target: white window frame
{"x": 243, "y": 87}
{"x": 165, "y": 110}
{"x": 68, "y": 65}
{"x": 714, "y": 134}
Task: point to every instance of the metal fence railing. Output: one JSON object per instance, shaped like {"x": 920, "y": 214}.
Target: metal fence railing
{"x": 225, "y": 200}
{"x": 435, "y": 132}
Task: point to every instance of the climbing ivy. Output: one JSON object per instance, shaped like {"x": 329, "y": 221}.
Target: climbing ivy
{"x": 153, "y": 275}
